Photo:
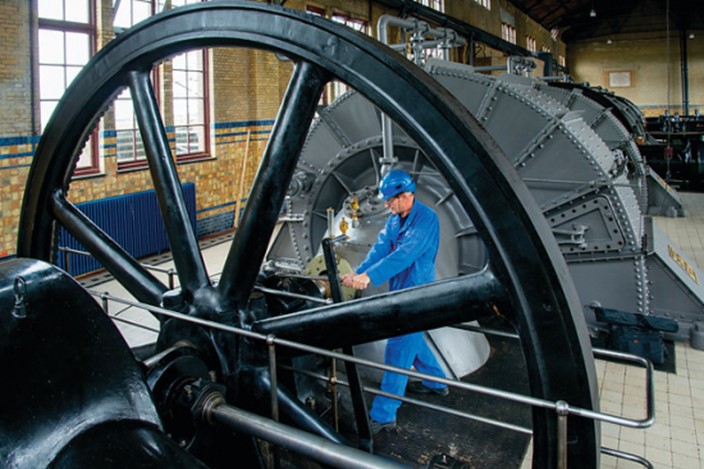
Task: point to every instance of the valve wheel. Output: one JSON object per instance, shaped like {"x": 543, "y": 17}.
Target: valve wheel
{"x": 527, "y": 279}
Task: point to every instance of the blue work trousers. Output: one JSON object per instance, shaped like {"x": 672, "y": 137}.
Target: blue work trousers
{"x": 402, "y": 352}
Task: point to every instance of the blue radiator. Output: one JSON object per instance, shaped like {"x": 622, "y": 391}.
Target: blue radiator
{"x": 133, "y": 221}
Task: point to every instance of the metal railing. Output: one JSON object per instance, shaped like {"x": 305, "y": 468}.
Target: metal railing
{"x": 563, "y": 410}
{"x": 171, "y": 272}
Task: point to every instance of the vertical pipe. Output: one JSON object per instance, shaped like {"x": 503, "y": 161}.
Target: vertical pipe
{"x": 272, "y": 376}
{"x": 105, "y": 296}
{"x": 331, "y": 221}
{"x": 67, "y": 262}
{"x": 271, "y": 345}
{"x": 684, "y": 64}
{"x": 36, "y": 129}
{"x": 562, "y": 410}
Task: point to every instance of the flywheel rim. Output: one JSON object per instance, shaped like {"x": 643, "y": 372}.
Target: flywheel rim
{"x": 550, "y": 322}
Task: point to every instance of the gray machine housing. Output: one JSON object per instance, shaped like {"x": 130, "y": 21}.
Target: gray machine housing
{"x": 580, "y": 163}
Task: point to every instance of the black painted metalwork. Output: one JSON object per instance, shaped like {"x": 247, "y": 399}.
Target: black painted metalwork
{"x": 124, "y": 267}
{"x": 359, "y": 405}
{"x": 270, "y": 186}
{"x": 527, "y": 281}
{"x": 71, "y": 380}
{"x": 420, "y": 308}
{"x": 182, "y": 239}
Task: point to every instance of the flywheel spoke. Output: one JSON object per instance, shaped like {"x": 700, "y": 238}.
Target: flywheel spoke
{"x": 184, "y": 246}
{"x": 125, "y": 268}
{"x": 452, "y": 301}
{"x": 278, "y": 163}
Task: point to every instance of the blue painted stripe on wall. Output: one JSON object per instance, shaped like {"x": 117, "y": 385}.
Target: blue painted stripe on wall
{"x": 215, "y": 207}
{"x": 220, "y": 139}
{"x": 236, "y": 134}
{"x": 7, "y": 141}
{"x": 16, "y": 155}
{"x": 254, "y": 123}
{"x": 15, "y": 166}
{"x": 227, "y": 142}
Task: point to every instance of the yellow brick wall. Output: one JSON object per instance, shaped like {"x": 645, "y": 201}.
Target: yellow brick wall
{"x": 15, "y": 63}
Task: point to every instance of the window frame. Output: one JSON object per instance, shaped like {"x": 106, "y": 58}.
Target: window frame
{"x": 158, "y": 84}
{"x": 508, "y": 32}
{"x": 485, "y": 3}
{"x": 206, "y": 152}
{"x": 89, "y": 29}
{"x": 531, "y": 44}
{"x": 437, "y": 5}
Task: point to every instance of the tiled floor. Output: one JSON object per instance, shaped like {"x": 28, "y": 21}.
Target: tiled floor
{"x": 675, "y": 441}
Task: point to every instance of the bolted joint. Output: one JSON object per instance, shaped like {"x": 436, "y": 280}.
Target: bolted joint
{"x": 204, "y": 396}
{"x": 19, "y": 311}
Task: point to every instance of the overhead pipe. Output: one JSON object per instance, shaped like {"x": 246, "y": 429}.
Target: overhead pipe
{"x": 444, "y": 38}
{"x": 465, "y": 29}
{"x": 684, "y": 64}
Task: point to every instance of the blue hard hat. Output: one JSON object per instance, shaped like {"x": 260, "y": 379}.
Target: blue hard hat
{"x": 395, "y": 182}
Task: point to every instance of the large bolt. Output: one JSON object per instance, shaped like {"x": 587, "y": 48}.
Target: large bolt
{"x": 20, "y": 309}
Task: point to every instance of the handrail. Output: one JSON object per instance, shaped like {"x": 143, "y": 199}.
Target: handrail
{"x": 171, "y": 272}
{"x": 561, "y": 408}
{"x": 609, "y": 355}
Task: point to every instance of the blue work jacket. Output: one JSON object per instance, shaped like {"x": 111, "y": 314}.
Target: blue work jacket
{"x": 405, "y": 251}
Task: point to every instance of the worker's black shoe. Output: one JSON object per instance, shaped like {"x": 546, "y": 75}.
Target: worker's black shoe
{"x": 376, "y": 427}
{"x": 417, "y": 387}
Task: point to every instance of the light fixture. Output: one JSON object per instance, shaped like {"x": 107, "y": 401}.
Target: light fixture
{"x": 609, "y": 41}
{"x": 592, "y": 12}
{"x": 691, "y": 35}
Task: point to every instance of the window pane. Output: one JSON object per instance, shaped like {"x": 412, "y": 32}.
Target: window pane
{"x": 179, "y": 62}
{"x": 51, "y": 81}
{"x": 124, "y": 114}
{"x": 181, "y": 135}
{"x": 180, "y": 85}
{"x": 141, "y": 154}
{"x": 195, "y": 111}
{"x": 195, "y": 85}
{"x": 195, "y": 60}
{"x": 123, "y": 16}
{"x": 77, "y": 10}
{"x": 190, "y": 140}
{"x": 71, "y": 73}
{"x": 197, "y": 139}
{"x": 51, "y": 9}
{"x": 77, "y": 48}
{"x": 141, "y": 10}
{"x": 46, "y": 109}
{"x": 180, "y": 112}
{"x": 85, "y": 160}
{"x": 51, "y": 47}
{"x": 127, "y": 141}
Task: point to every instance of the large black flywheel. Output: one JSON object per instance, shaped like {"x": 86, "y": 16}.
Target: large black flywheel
{"x": 527, "y": 279}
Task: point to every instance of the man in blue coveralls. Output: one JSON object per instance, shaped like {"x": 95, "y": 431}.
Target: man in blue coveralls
{"x": 404, "y": 254}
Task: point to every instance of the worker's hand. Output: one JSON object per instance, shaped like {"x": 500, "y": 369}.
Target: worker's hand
{"x": 360, "y": 282}
{"x": 347, "y": 279}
